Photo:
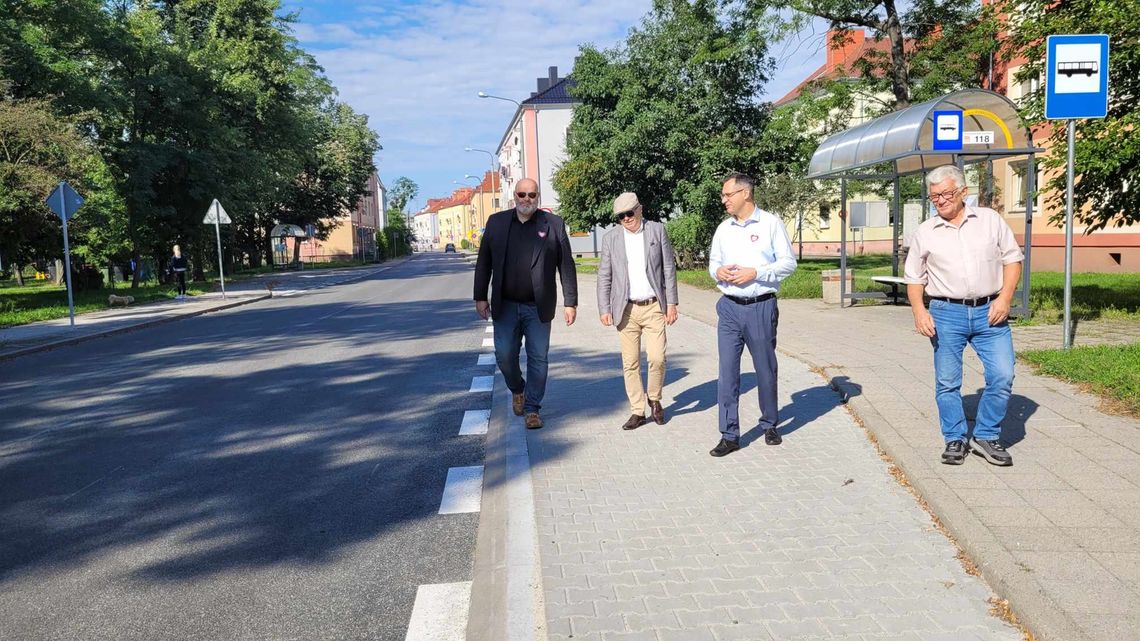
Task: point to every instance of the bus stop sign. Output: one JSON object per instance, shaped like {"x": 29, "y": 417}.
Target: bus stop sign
{"x": 1076, "y": 80}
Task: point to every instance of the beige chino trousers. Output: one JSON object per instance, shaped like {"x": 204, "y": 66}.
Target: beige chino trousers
{"x": 649, "y": 322}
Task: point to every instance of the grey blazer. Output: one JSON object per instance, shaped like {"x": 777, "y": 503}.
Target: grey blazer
{"x": 613, "y": 269}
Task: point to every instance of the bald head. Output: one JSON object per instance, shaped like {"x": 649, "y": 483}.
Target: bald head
{"x": 526, "y": 197}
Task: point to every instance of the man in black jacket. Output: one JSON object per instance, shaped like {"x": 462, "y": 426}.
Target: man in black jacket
{"x": 521, "y": 249}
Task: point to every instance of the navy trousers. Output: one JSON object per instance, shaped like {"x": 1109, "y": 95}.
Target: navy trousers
{"x": 755, "y": 326}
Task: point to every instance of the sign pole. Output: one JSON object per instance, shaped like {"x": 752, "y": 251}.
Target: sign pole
{"x": 1067, "y": 340}
{"x": 218, "y": 234}
{"x": 66, "y": 254}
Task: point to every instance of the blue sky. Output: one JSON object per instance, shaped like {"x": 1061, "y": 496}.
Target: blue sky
{"x": 415, "y": 67}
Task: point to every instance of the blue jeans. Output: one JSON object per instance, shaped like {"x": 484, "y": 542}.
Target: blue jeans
{"x": 516, "y": 321}
{"x": 954, "y": 326}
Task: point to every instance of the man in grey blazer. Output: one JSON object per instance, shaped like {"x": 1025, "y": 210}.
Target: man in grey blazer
{"x": 637, "y": 292}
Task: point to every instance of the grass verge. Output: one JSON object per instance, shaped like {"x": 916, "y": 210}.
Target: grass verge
{"x": 1112, "y": 372}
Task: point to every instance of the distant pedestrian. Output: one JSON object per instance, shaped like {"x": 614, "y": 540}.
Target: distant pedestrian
{"x": 637, "y": 292}
{"x": 521, "y": 250}
{"x": 967, "y": 263}
{"x": 177, "y": 268}
{"x": 749, "y": 257}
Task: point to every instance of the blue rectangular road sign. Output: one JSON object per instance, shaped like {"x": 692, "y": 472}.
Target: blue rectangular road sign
{"x": 1076, "y": 80}
{"x": 947, "y": 130}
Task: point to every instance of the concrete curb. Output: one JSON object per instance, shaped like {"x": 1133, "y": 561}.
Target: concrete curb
{"x": 506, "y": 586}
{"x": 44, "y": 347}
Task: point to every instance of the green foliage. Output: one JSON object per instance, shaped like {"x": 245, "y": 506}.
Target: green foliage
{"x": 403, "y": 190}
{"x": 690, "y": 235}
{"x": 465, "y": 244}
{"x": 1107, "y": 150}
{"x": 666, "y": 115}
{"x": 396, "y": 239}
{"x": 186, "y": 102}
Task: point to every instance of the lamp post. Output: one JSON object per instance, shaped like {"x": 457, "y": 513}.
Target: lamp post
{"x": 537, "y": 170}
{"x": 479, "y": 204}
{"x": 494, "y": 171}
{"x": 465, "y": 219}
{"x": 522, "y": 136}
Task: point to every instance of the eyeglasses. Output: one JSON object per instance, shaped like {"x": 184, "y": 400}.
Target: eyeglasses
{"x": 626, "y": 214}
{"x": 724, "y": 196}
{"x": 526, "y": 194}
{"x": 945, "y": 195}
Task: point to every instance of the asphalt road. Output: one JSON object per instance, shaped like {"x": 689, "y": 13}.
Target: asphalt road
{"x": 269, "y": 472}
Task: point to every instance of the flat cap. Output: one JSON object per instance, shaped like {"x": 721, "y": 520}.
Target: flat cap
{"x": 626, "y": 202}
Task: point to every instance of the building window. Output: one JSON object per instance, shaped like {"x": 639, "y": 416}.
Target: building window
{"x": 1018, "y": 185}
{"x": 825, "y": 216}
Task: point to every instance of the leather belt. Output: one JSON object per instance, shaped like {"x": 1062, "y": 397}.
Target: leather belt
{"x": 748, "y": 300}
{"x": 647, "y": 301}
{"x": 968, "y": 302}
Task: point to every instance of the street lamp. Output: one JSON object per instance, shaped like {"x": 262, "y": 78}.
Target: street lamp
{"x": 484, "y": 94}
{"x": 479, "y": 205}
{"x": 465, "y": 219}
{"x": 494, "y": 160}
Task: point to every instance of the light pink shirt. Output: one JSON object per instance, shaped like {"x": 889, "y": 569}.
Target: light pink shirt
{"x": 964, "y": 261}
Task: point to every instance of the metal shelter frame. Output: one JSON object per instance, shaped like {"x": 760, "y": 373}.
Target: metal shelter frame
{"x": 902, "y": 144}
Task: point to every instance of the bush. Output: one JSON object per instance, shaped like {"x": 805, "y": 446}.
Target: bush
{"x": 87, "y": 278}
{"x": 465, "y": 244}
{"x": 691, "y": 236}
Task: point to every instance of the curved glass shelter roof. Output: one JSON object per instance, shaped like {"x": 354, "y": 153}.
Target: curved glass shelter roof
{"x": 905, "y": 138}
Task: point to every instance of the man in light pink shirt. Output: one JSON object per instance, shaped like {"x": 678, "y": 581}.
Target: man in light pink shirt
{"x": 966, "y": 262}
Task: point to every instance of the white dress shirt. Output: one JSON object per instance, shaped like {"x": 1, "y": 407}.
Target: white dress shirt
{"x": 761, "y": 243}
{"x": 639, "y": 287}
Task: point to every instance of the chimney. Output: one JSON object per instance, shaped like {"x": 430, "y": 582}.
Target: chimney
{"x": 843, "y": 47}
{"x": 549, "y": 81}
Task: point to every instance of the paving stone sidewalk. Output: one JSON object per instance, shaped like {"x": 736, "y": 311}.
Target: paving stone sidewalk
{"x": 1058, "y": 534}
{"x": 643, "y": 535}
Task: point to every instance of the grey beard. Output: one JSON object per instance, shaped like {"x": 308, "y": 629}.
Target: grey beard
{"x": 526, "y": 210}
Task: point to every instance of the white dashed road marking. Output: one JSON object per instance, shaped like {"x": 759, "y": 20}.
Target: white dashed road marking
{"x": 486, "y": 359}
{"x": 463, "y": 490}
{"x": 488, "y": 342}
{"x": 489, "y": 330}
{"x": 475, "y": 422}
{"x": 440, "y": 612}
{"x": 482, "y": 383}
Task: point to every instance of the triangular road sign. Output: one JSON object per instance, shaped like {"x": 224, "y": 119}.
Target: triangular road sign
{"x": 216, "y": 214}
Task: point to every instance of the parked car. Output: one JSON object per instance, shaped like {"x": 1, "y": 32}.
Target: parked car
{"x": 450, "y": 247}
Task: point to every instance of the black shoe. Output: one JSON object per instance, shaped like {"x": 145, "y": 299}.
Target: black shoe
{"x": 993, "y": 451}
{"x": 955, "y": 453}
{"x": 724, "y": 448}
{"x": 772, "y": 436}
{"x": 635, "y": 421}
{"x": 657, "y": 411}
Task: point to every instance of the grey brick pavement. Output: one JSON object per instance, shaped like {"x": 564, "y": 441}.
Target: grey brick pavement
{"x": 643, "y": 535}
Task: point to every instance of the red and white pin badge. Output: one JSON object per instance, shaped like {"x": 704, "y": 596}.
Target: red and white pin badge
{"x": 542, "y": 234}
{"x": 754, "y": 237}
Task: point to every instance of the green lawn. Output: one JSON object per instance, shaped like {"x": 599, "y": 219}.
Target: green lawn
{"x": 40, "y": 300}
{"x": 1111, "y": 372}
{"x": 1094, "y": 296}
{"x": 805, "y": 282}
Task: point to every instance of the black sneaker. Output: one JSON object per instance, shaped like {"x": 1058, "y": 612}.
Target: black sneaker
{"x": 993, "y": 451}
{"x": 955, "y": 453}
{"x": 772, "y": 436}
{"x": 725, "y": 447}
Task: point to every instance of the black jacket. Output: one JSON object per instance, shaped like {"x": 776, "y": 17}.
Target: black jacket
{"x": 553, "y": 254}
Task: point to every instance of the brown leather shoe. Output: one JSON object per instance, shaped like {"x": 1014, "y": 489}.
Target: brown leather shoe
{"x": 533, "y": 421}
{"x": 517, "y": 403}
{"x": 657, "y": 411}
{"x": 635, "y": 421}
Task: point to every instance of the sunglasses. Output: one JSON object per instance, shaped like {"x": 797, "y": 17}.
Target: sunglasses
{"x": 526, "y": 194}
{"x": 625, "y": 214}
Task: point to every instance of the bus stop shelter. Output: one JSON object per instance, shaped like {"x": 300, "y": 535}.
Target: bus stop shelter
{"x": 917, "y": 139}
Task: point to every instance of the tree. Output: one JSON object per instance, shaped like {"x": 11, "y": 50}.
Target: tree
{"x": 37, "y": 151}
{"x": 403, "y": 190}
{"x": 666, "y": 115}
{"x": 945, "y": 44}
{"x": 1107, "y": 151}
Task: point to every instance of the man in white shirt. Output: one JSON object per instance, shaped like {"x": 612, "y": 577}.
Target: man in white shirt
{"x": 749, "y": 257}
{"x": 637, "y": 292}
{"x": 966, "y": 261}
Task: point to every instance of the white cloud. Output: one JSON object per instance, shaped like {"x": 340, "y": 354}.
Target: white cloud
{"x": 415, "y": 70}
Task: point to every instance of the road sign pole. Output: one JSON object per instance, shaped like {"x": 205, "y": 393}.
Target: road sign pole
{"x": 66, "y": 255}
{"x": 218, "y": 234}
{"x": 1067, "y": 340}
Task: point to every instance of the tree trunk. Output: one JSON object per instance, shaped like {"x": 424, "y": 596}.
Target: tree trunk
{"x": 18, "y": 270}
{"x": 899, "y": 76}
